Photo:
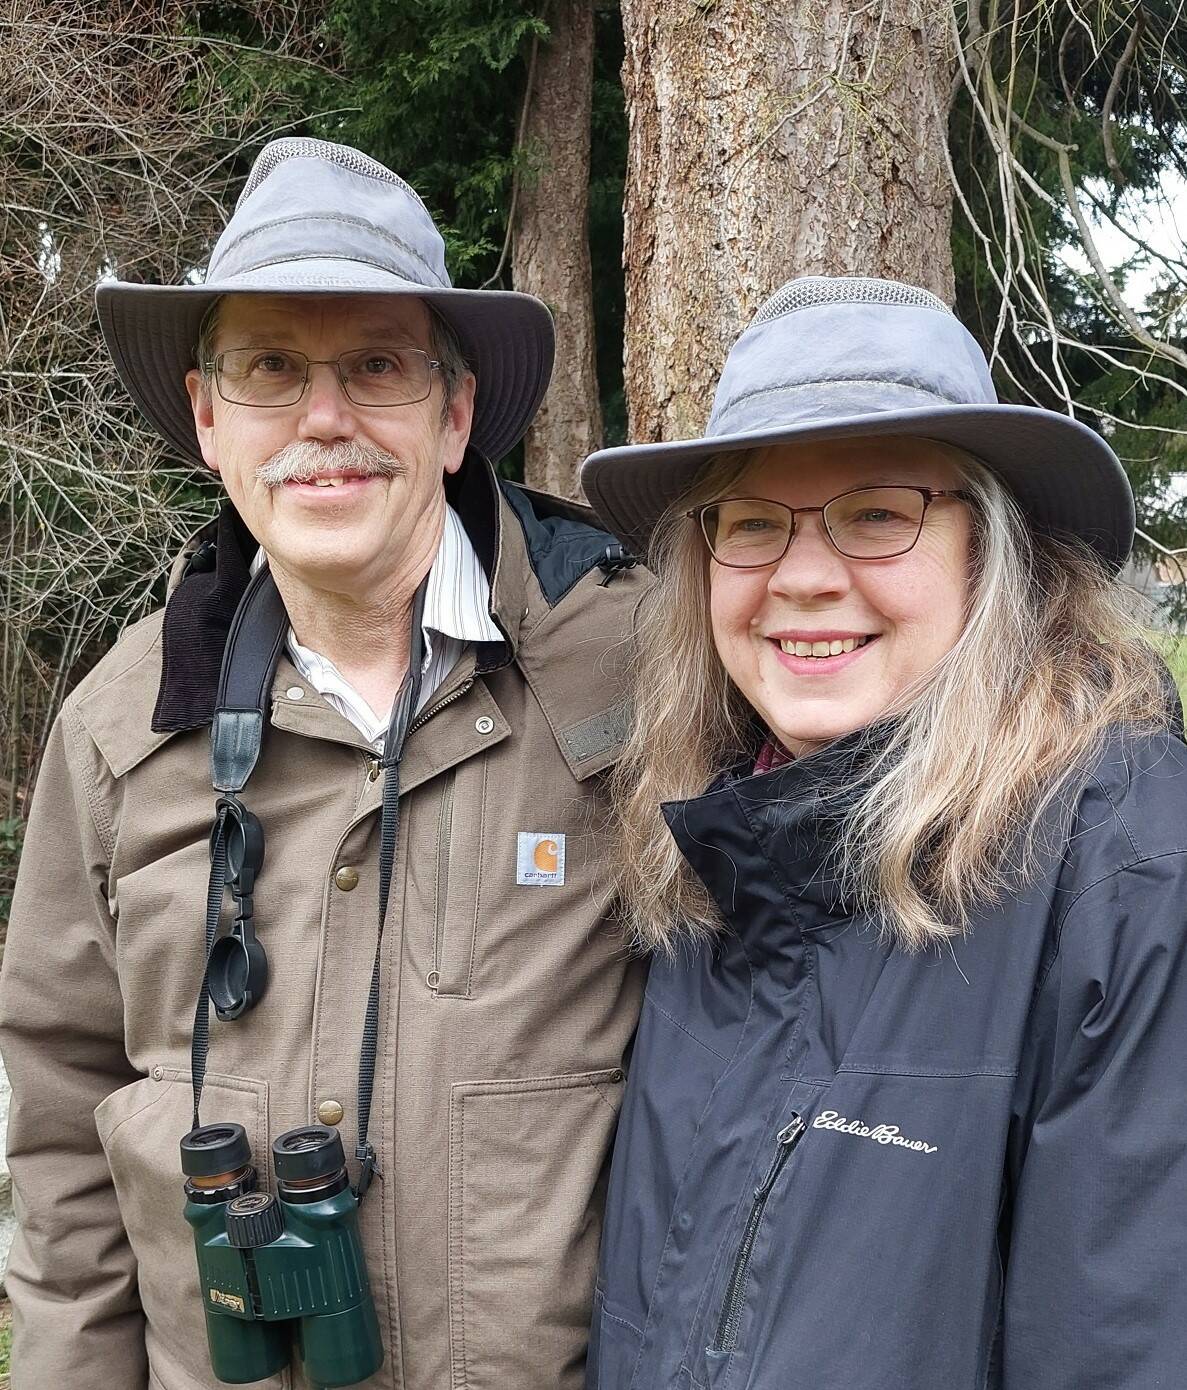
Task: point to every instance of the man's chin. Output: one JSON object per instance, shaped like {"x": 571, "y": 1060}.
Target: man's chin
{"x": 322, "y": 563}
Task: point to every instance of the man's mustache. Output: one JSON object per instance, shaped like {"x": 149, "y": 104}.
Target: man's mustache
{"x": 304, "y": 460}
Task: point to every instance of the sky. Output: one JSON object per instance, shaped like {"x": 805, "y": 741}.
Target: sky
{"x": 1160, "y": 221}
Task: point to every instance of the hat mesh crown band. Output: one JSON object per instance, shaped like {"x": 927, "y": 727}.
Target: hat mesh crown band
{"x": 811, "y": 291}
{"x": 305, "y": 147}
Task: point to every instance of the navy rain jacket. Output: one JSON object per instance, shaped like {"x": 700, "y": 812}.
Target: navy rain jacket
{"x": 841, "y": 1166}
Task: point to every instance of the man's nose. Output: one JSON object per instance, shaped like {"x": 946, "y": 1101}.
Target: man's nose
{"x": 326, "y": 410}
{"x": 812, "y": 566}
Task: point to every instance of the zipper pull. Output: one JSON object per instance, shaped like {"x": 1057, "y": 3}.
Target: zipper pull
{"x": 787, "y": 1138}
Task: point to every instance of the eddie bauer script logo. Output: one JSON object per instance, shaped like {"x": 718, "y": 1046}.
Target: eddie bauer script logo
{"x": 880, "y": 1134}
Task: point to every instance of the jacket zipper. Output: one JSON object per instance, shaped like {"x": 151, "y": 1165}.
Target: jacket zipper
{"x": 433, "y": 979}
{"x": 444, "y": 831}
{"x": 731, "y": 1309}
{"x": 426, "y": 715}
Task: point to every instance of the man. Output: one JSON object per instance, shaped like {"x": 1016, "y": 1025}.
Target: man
{"x": 349, "y": 399}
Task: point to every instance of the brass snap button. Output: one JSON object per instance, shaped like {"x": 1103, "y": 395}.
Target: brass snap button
{"x": 618, "y": 1074}
{"x": 484, "y": 724}
{"x": 158, "y": 1073}
{"x": 347, "y": 878}
{"x": 330, "y": 1112}
{"x": 295, "y": 692}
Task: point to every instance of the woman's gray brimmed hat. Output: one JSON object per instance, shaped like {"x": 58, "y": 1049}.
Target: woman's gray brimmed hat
{"x": 830, "y": 358}
{"x": 319, "y": 218}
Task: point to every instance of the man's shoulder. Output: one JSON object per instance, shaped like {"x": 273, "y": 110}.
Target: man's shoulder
{"x": 575, "y": 645}
{"x": 114, "y": 702}
{"x": 564, "y": 541}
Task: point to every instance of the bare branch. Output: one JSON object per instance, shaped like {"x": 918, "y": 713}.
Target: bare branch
{"x": 520, "y": 131}
{"x": 1106, "y": 117}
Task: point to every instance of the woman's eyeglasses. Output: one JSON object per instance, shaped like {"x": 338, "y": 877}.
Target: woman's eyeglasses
{"x": 869, "y": 523}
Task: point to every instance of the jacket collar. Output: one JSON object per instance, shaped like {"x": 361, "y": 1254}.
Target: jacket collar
{"x": 765, "y": 844}
{"x": 209, "y": 578}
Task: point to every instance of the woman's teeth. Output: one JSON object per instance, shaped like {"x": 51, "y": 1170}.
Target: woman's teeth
{"x": 833, "y": 648}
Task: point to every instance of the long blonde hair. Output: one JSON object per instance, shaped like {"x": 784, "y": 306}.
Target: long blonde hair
{"x": 967, "y": 762}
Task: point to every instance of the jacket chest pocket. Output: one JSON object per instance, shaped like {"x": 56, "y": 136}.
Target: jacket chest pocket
{"x": 457, "y": 880}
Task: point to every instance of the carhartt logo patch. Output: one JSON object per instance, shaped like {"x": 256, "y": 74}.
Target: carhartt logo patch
{"x": 540, "y": 858}
{"x": 880, "y": 1134}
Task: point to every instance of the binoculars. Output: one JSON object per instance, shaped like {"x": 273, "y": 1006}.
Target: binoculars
{"x": 285, "y": 1272}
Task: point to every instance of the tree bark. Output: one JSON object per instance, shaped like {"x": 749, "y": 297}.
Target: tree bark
{"x": 766, "y": 141}
{"x": 551, "y": 246}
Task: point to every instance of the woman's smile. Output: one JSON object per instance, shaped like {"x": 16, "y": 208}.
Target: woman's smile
{"x": 820, "y": 653}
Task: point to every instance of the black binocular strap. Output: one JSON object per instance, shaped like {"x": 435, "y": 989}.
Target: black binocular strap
{"x": 253, "y": 649}
{"x": 403, "y": 713}
{"x": 250, "y": 658}
{"x": 200, "y": 1042}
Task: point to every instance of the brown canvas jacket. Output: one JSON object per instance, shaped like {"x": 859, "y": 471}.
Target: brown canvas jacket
{"x": 506, "y": 1008}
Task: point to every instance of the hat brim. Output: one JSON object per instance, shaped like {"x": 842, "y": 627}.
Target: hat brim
{"x": 506, "y": 338}
{"x": 1064, "y": 476}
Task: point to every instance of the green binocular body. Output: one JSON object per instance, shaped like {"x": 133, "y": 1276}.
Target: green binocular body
{"x": 279, "y": 1271}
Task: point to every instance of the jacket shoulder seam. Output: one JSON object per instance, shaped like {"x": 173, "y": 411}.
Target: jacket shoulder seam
{"x": 76, "y": 732}
{"x": 1121, "y": 821}
{"x": 1135, "y": 862}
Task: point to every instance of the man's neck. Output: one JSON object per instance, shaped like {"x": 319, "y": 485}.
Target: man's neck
{"x": 365, "y": 635}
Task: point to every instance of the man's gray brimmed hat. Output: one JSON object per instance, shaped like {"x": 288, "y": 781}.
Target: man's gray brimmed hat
{"x": 318, "y": 218}
{"x": 830, "y": 358}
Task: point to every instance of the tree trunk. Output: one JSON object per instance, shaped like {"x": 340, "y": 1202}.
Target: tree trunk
{"x": 551, "y": 246}
{"x": 766, "y": 141}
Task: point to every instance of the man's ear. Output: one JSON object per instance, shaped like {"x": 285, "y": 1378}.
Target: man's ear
{"x": 202, "y": 404}
{"x": 458, "y": 420}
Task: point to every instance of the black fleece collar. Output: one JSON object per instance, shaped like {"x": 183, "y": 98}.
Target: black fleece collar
{"x": 197, "y": 619}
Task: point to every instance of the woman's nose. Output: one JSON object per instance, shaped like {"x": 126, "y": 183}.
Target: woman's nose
{"x": 812, "y": 565}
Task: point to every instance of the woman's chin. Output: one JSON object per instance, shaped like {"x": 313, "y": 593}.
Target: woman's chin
{"x": 804, "y": 735}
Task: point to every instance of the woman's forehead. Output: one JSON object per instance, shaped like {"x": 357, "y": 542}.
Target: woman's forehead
{"x": 833, "y": 465}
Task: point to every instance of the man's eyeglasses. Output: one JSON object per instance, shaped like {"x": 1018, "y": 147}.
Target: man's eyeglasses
{"x": 278, "y": 376}
{"x": 869, "y": 523}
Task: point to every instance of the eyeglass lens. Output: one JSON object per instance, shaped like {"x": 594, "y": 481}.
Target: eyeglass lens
{"x": 370, "y": 376}
{"x": 872, "y": 523}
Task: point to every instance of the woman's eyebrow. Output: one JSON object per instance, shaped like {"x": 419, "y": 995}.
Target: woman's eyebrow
{"x": 885, "y": 480}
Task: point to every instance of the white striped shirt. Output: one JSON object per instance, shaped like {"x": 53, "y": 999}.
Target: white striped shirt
{"x": 457, "y": 612}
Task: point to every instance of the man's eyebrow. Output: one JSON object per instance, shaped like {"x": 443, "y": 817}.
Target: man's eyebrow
{"x": 373, "y": 333}
{"x": 256, "y": 340}
{"x": 369, "y": 335}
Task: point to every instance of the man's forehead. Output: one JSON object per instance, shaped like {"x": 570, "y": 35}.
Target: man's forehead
{"x": 372, "y": 315}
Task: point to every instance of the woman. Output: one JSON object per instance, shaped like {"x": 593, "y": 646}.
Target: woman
{"x": 907, "y": 1108}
